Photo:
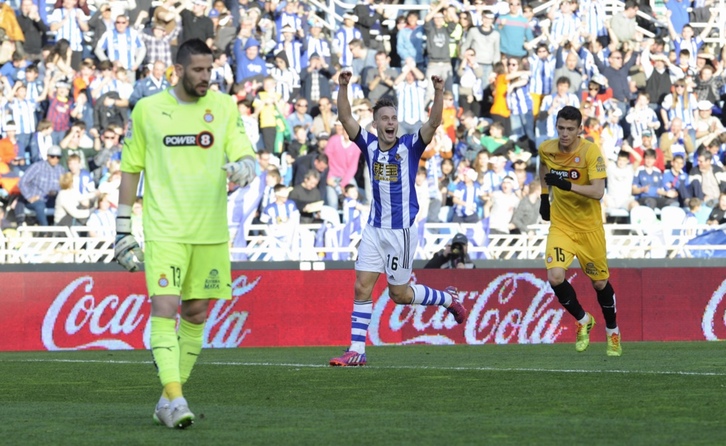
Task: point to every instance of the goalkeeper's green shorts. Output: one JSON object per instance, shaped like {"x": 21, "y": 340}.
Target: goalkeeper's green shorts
{"x": 189, "y": 271}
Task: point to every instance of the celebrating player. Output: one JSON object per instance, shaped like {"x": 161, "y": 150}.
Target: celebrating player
{"x": 576, "y": 169}
{"x": 181, "y": 140}
{"x": 388, "y": 244}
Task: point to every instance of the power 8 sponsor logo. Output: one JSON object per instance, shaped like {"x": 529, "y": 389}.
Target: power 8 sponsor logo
{"x": 204, "y": 140}
{"x": 572, "y": 174}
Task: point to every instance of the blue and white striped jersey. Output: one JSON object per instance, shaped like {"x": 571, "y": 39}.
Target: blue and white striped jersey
{"x": 70, "y": 30}
{"x": 564, "y": 25}
{"x": 275, "y": 213}
{"x": 593, "y": 16}
{"x": 293, "y": 54}
{"x": 23, "y": 113}
{"x": 519, "y": 101}
{"x": 113, "y": 85}
{"x": 411, "y": 101}
{"x": 393, "y": 179}
{"x": 287, "y": 19}
{"x": 680, "y": 106}
{"x": 340, "y": 44}
{"x": 692, "y": 45}
{"x": 121, "y": 47}
{"x": 469, "y": 194}
{"x": 543, "y": 74}
{"x": 103, "y": 223}
{"x": 319, "y": 46}
{"x": 35, "y": 90}
{"x": 352, "y": 216}
{"x": 287, "y": 81}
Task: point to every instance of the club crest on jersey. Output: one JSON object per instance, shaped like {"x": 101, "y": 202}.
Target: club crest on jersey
{"x": 163, "y": 281}
{"x": 208, "y": 116}
{"x": 204, "y": 140}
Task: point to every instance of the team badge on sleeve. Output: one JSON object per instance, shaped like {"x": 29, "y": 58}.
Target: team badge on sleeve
{"x": 163, "y": 281}
{"x": 600, "y": 164}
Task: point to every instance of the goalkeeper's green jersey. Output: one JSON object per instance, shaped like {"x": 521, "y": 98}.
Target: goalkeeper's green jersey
{"x": 181, "y": 148}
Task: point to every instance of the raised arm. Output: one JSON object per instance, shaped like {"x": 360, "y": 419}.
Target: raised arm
{"x": 345, "y": 115}
{"x": 709, "y": 26}
{"x": 671, "y": 30}
{"x": 429, "y": 128}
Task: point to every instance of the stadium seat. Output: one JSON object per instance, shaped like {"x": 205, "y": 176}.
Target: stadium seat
{"x": 672, "y": 216}
{"x": 644, "y": 216}
{"x": 330, "y": 214}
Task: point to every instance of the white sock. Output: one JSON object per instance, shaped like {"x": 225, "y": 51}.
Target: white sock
{"x": 584, "y": 320}
{"x": 178, "y": 402}
{"x": 611, "y": 331}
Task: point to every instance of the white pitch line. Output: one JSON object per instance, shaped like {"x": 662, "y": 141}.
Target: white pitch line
{"x": 391, "y": 367}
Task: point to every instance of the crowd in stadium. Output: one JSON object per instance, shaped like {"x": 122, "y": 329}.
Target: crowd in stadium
{"x": 71, "y": 73}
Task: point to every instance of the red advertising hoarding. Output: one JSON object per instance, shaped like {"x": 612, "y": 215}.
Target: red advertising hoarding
{"x": 110, "y": 310}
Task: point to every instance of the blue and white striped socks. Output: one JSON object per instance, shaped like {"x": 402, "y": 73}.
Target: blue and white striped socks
{"x": 360, "y": 320}
{"x": 424, "y": 295}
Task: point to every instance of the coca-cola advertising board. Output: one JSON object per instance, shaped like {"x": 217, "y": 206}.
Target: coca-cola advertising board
{"x": 110, "y": 310}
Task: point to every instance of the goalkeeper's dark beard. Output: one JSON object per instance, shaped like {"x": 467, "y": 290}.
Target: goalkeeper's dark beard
{"x": 190, "y": 89}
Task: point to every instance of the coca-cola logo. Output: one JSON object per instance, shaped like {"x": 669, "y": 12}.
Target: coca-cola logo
{"x": 78, "y": 320}
{"x": 713, "y": 322}
{"x": 513, "y": 308}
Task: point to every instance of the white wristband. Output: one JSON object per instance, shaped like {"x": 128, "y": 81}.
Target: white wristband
{"x": 123, "y": 210}
{"x": 123, "y": 219}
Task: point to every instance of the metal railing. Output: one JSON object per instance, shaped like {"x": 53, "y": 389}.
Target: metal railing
{"x": 35, "y": 244}
{"x": 333, "y": 19}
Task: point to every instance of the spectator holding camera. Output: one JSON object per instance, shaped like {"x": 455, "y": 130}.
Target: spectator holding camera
{"x": 454, "y": 256}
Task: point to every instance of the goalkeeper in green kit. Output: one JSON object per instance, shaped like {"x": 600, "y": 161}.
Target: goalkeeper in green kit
{"x": 187, "y": 140}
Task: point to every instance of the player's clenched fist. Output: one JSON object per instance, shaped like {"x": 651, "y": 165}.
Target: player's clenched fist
{"x": 344, "y": 78}
{"x": 241, "y": 172}
{"x": 552, "y": 179}
{"x": 438, "y": 83}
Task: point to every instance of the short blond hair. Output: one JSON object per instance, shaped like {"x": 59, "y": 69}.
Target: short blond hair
{"x": 66, "y": 181}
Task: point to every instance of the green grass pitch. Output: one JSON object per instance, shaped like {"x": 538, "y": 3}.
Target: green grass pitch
{"x": 655, "y": 394}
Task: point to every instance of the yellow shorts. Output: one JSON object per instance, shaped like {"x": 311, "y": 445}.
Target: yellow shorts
{"x": 589, "y": 247}
{"x": 189, "y": 271}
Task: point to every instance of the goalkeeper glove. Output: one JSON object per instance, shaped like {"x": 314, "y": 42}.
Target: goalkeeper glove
{"x": 127, "y": 251}
{"x": 544, "y": 207}
{"x": 241, "y": 172}
{"x": 552, "y": 179}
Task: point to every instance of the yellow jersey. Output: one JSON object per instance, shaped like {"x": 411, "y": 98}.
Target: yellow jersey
{"x": 181, "y": 148}
{"x": 570, "y": 211}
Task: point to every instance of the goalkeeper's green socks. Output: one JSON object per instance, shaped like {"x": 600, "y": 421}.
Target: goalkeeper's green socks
{"x": 165, "y": 348}
{"x": 190, "y": 346}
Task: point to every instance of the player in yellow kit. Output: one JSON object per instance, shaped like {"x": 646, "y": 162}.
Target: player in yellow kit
{"x": 574, "y": 169}
{"x": 186, "y": 140}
